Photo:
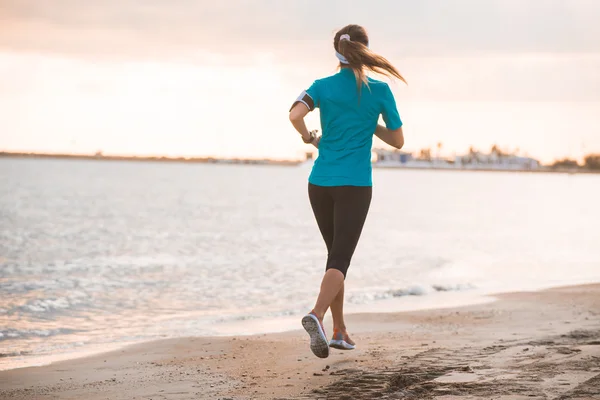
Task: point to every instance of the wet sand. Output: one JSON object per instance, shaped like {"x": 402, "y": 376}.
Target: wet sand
{"x": 532, "y": 345}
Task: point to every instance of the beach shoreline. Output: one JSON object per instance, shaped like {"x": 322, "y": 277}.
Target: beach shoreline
{"x": 542, "y": 344}
{"x": 266, "y": 326}
{"x": 280, "y": 163}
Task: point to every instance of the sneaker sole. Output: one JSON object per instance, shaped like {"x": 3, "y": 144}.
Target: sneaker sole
{"x": 341, "y": 345}
{"x": 318, "y": 341}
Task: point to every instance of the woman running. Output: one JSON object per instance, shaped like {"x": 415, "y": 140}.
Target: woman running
{"x": 340, "y": 184}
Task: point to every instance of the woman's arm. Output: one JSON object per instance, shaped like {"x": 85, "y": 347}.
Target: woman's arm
{"x": 297, "y": 114}
{"x": 394, "y": 138}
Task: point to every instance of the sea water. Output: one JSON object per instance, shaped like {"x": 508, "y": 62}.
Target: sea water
{"x": 95, "y": 254}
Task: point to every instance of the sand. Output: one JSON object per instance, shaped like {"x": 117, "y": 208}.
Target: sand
{"x": 533, "y": 345}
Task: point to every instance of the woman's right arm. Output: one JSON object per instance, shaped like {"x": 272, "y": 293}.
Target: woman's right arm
{"x": 297, "y": 114}
{"x": 394, "y": 138}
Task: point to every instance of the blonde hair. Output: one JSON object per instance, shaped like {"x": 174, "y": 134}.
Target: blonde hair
{"x": 356, "y": 51}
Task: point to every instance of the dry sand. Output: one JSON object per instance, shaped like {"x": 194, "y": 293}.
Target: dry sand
{"x": 538, "y": 345}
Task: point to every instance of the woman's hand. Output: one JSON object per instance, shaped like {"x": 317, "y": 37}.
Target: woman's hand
{"x": 316, "y": 141}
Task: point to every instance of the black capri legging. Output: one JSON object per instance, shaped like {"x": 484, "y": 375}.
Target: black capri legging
{"x": 340, "y": 212}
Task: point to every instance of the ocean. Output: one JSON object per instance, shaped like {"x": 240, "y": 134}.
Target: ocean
{"x": 98, "y": 254}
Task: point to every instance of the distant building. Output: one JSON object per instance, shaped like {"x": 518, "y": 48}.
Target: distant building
{"x": 495, "y": 160}
{"x": 392, "y": 156}
{"x": 397, "y": 158}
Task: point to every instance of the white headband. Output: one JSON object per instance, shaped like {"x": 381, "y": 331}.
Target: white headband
{"x": 340, "y": 56}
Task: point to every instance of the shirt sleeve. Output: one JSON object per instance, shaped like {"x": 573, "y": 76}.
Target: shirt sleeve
{"x": 309, "y": 97}
{"x": 390, "y": 111}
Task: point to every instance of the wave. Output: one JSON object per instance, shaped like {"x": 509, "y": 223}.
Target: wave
{"x": 8, "y": 334}
{"x": 15, "y": 354}
{"x": 415, "y": 290}
{"x": 48, "y": 305}
{"x": 357, "y": 298}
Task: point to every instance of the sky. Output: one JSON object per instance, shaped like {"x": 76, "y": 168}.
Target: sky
{"x": 216, "y": 78}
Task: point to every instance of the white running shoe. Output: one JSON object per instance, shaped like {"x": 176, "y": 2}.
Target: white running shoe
{"x": 338, "y": 342}
{"x": 318, "y": 340}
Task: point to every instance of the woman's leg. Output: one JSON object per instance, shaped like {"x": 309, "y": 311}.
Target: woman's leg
{"x": 339, "y": 325}
{"x": 337, "y": 311}
{"x": 321, "y": 200}
{"x": 351, "y": 209}
{"x": 351, "y": 205}
{"x": 331, "y": 284}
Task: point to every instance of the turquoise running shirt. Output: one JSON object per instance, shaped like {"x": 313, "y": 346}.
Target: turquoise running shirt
{"x": 348, "y": 122}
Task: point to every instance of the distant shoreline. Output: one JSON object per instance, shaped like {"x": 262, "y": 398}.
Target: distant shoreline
{"x": 196, "y": 160}
{"x": 541, "y": 170}
{"x": 249, "y": 161}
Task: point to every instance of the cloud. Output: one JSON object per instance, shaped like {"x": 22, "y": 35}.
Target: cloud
{"x": 153, "y": 28}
